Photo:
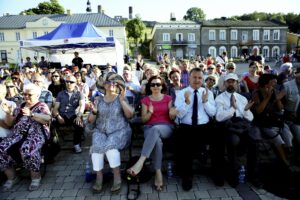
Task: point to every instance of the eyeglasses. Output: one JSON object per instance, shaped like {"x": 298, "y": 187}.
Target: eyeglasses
{"x": 155, "y": 84}
{"x": 14, "y": 78}
{"x": 110, "y": 83}
{"x": 27, "y": 94}
{"x": 10, "y": 86}
{"x": 70, "y": 82}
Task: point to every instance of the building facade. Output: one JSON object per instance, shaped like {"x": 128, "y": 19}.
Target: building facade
{"x": 185, "y": 39}
{"x": 179, "y": 39}
{"x": 238, "y": 38}
{"x": 14, "y": 28}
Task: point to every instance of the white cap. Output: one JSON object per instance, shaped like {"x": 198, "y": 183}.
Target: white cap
{"x": 231, "y": 76}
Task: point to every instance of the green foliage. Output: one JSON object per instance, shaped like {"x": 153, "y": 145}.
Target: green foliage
{"x": 292, "y": 20}
{"x": 194, "y": 14}
{"x": 52, "y": 7}
{"x": 135, "y": 29}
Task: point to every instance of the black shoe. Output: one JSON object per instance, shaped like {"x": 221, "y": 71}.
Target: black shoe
{"x": 187, "y": 183}
{"x": 256, "y": 183}
{"x": 233, "y": 182}
{"x": 218, "y": 181}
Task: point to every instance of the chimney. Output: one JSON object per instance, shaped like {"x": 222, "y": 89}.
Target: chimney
{"x": 7, "y": 14}
{"x": 68, "y": 12}
{"x": 130, "y": 12}
{"x": 88, "y": 6}
{"x": 99, "y": 9}
{"x": 172, "y": 17}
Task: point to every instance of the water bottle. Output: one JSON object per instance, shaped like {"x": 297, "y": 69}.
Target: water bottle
{"x": 242, "y": 174}
{"x": 88, "y": 171}
{"x": 169, "y": 169}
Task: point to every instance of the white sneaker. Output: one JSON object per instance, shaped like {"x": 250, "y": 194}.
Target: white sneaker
{"x": 10, "y": 183}
{"x": 77, "y": 148}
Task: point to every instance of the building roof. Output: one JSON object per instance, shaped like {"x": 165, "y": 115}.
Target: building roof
{"x": 238, "y": 23}
{"x": 179, "y": 22}
{"x": 19, "y": 21}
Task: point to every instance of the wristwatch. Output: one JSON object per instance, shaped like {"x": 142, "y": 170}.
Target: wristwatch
{"x": 32, "y": 114}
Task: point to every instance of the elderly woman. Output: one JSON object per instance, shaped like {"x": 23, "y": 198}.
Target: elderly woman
{"x": 157, "y": 113}
{"x": 112, "y": 132}
{"x": 30, "y": 130}
{"x": 4, "y": 128}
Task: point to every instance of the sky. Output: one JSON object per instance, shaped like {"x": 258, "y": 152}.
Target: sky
{"x": 159, "y": 10}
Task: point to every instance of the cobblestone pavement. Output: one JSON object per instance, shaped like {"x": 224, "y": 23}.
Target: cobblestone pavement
{"x": 65, "y": 179}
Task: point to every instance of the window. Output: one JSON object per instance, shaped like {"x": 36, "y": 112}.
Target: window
{"x": 221, "y": 50}
{"x": 245, "y": 36}
{"x": 266, "y": 35}
{"x": 111, "y": 33}
{"x": 256, "y": 35}
{"x": 34, "y": 34}
{"x": 212, "y": 51}
{"x": 166, "y": 37}
{"x": 275, "y": 52}
{"x": 233, "y": 52}
{"x": 276, "y": 34}
{"x": 46, "y": 32}
{"x": 18, "y": 37}
{"x": 179, "y": 37}
{"x": 222, "y": 35}
{"x": 191, "y": 37}
{"x": 266, "y": 52}
{"x": 233, "y": 35}
{"x": 212, "y": 35}
{"x": 2, "y": 37}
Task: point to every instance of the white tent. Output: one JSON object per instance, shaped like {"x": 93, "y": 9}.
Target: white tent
{"x": 94, "y": 48}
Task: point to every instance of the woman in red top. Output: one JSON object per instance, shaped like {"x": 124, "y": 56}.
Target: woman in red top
{"x": 251, "y": 79}
{"x": 157, "y": 115}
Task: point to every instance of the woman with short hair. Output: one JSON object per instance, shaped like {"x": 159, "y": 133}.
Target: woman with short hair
{"x": 30, "y": 130}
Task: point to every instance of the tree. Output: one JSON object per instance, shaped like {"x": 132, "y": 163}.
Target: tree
{"x": 52, "y": 7}
{"x": 194, "y": 14}
{"x": 135, "y": 29}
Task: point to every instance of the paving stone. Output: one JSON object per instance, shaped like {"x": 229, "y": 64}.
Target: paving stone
{"x": 152, "y": 196}
{"x": 105, "y": 197}
{"x": 146, "y": 188}
{"x": 69, "y": 179}
{"x": 59, "y": 179}
{"x": 84, "y": 192}
{"x": 217, "y": 193}
{"x": 15, "y": 195}
{"x": 56, "y": 193}
{"x": 63, "y": 173}
{"x": 34, "y": 194}
{"x": 167, "y": 195}
{"x": 46, "y": 193}
{"x": 232, "y": 192}
{"x": 77, "y": 173}
{"x": 172, "y": 188}
{"x": 237, "y": 198}
{"x": 57, "y": 186}
{"x": 70, "y": 193}
{"x": 46, "y": 186}
{"x": 202, "y": 194}
{"x": 186, "y": 195}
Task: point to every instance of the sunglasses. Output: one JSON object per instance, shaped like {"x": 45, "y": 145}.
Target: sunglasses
{"x": 10, "y": 86}
{"x": 37, "y": 81}
{"x": 55, "y": 76}
{"x": 70, "y": 82}
{"x": 14, "y": 78}
{"x": 230, "y": 68}
{"x": 210, "y": 68}
{"x": 155, "y": 84}
{"x": 27, "y": 94}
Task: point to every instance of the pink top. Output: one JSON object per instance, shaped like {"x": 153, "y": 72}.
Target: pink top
{"x": 160, "y": 113}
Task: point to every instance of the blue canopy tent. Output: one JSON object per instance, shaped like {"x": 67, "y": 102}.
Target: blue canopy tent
{"x": 93, "y": 46}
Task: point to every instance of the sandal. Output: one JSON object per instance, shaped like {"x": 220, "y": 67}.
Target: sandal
{"x": 10, "y": 183}
{"x": 35, "y": 184}
{"x": 158, "y": 188}
{"x": 116, "y": 187}
{"x": 131, "y": 172}
{"x": 97, "y": 187}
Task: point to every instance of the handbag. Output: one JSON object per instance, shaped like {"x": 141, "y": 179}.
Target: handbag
{"x": 133, "y": 182}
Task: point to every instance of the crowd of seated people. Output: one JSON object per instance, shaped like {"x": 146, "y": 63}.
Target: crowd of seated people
{"x": 196, "y": 106}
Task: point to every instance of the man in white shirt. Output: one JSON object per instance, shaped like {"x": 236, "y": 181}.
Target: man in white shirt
{"x": 235, "y": 107}
{"x": 195, "y": 106}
